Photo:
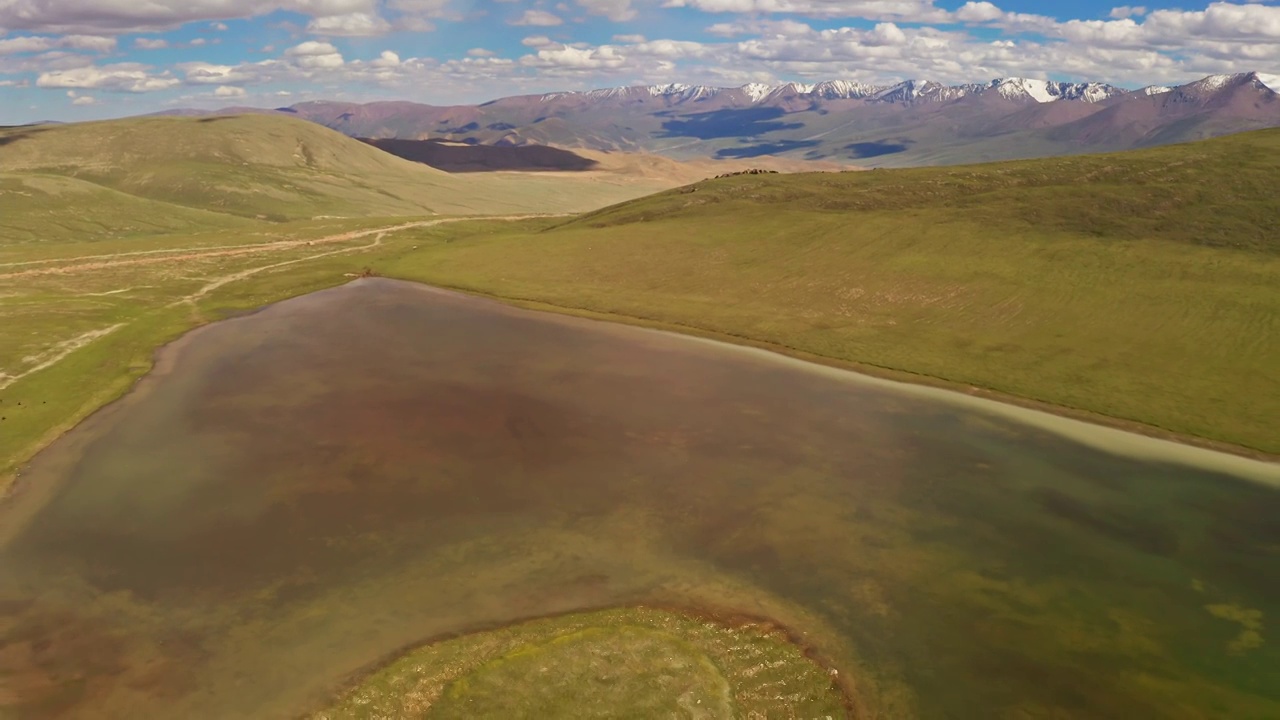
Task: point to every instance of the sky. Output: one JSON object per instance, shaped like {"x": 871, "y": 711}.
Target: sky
{"x": 87, "y": 59}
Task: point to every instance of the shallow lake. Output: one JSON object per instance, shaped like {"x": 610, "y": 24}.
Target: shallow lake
{"x": 295, "y": 494}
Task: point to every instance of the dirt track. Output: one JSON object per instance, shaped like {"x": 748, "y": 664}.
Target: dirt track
{"x": 224, "y": 251}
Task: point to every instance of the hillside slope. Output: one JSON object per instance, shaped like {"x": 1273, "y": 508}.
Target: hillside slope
{"x": 1139, "y": 285}
{"x": 273, "y": 167}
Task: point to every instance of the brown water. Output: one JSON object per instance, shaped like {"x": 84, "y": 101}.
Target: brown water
{"x": 298, "y": 493}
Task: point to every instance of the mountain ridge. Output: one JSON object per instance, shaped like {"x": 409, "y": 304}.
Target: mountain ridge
{"x": 914, "y": 122}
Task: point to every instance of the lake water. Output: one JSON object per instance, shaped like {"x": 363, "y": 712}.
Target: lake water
{"x": 298, "y": 493}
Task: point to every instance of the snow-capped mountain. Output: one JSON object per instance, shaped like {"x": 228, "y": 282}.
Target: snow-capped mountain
{"x": 903, "y": 123}
{"x": 1044, "y": 91}
{"x": 909, "y": 91}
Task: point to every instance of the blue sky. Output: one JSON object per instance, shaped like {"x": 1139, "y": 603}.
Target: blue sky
{"x": 83, "y": 59}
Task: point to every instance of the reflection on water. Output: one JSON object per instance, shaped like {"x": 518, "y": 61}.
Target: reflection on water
{"x": 302, "y": 491}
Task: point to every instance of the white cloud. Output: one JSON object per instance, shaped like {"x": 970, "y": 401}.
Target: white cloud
{"x": 537, "y": 18}
{"x": 33, "y": 44}
{"x": 615, "y": 10}
{"x": 77, "y": 99}
{"x": 229, "y": 91}
{"x": 218, "y": 26}
{"x": 150, "y": 43}
{"x": 898, "y": 10}
{"x": 197, "y": 42}
{"x": 350, "y": 25}
{"x": 978, "y": 12}
{"x": 119, "y": 16}
{"x": 315, "y": 55}
{"x": 200, "y": 73}
{"x": 387, "y": 59}
{"x": 120, "y": 77}
{"x": 565, "y": 57}
{"x": 539, "y": 41}
{"x": 628, "y": 38}
{"x": 480, "y": 53}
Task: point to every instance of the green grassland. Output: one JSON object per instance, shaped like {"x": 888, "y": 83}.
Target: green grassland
{"x": 1138, "y": 286}
{"x": 637, "y": 662}
{"x": 263, "y": 167}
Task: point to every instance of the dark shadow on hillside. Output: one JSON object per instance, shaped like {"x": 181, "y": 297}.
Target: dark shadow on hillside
{"x": 215, "y": 118}
{"x": 19, "y": 132}
{"x": 728, "y": 123}
{"x": 773, "y": 148}
{"x": 878, "y": 148}
{"x": 461, "y": 158}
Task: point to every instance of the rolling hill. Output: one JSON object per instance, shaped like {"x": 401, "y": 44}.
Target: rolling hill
{"x": 184, "y": 173}
{"x": 1137, "y": 285}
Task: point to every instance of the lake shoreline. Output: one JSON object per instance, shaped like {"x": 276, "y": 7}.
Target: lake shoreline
{"x": 901, "y": 378}
{"x": 361, "y": 302}
{"x": 10, "y": 484}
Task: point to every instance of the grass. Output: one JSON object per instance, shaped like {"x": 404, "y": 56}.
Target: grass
{"x": 631, "y": 662}
{"x": 267, "y": 168}
{"x": 1147, "y": 294}
{"x": 1137, "y": 286}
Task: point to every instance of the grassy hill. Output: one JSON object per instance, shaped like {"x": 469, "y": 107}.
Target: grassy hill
{"x": 1140, "y": 286}
{"x": 274, "y": 168}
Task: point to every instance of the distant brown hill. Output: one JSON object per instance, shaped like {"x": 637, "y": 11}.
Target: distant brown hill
{"x": 457, "y": 157}
{"x": 910, "y": 123}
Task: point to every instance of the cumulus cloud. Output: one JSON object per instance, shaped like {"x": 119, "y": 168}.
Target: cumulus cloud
{"x": 349, "y": 25}
{"x": 118, "y": 16}
{"x": 229, "y": 91}
{"x": 745, "y": 41}
{"x": 119, "y": 77}
{"x": 77, "y": 99}
{"x": 387, "y": 59}
{"x": 537, "y": 18}
{"x": 898, "y": 10}
{"x": 200, "y": 73}
{"x": 150, "y": 43}
{"x": 34, "y": 44}
{"x": 314, "y": 55}
{"x": 565, "y": 57}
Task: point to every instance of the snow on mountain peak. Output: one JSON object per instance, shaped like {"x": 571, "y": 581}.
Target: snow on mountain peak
{"x": 756, "y": 91}
{"x": 1018, "y": 88}
{"x": 843, "y": 89}
{"x": 909, "y": 91}
{"x": 1216, "y": 82}
{"x": 669, "y": 89}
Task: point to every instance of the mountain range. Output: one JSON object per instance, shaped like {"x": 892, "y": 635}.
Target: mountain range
{"x": 908, "y": 123}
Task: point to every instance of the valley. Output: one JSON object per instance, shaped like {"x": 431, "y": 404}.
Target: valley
{"x": 294, "y": 426}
